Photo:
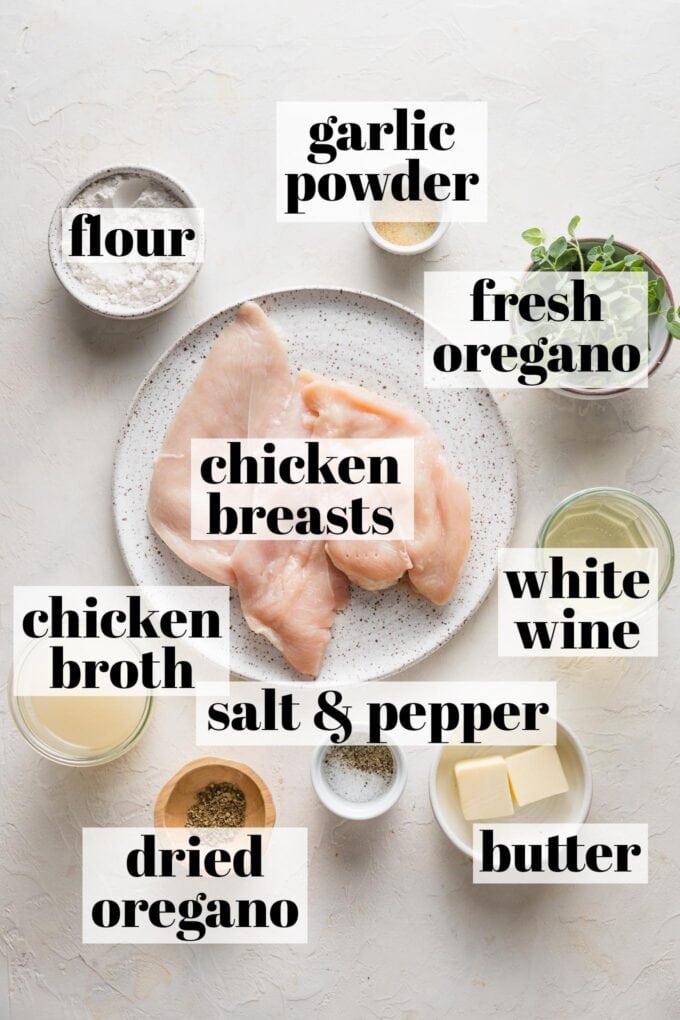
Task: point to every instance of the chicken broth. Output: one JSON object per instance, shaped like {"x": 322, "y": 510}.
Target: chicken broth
{"x": 97, "y": 723}
{"x": 69, "y": 727}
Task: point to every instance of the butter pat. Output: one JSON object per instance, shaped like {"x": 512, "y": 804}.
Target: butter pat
{"x": 483, "y": 788}
{"x": 536, "y": 774}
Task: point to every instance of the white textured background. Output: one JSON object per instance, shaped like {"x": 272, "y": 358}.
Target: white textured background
{"x": 583, "y": 118}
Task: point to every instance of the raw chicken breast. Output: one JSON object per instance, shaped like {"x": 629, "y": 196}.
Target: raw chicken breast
{"x": 242, "y": 388}
{"x": 289, "y": 590}
{"x": 337, "y": 411}
{"x": 436, "y": 554}
{"x": 373, "y": 565}
{"x": 441, "y": 526}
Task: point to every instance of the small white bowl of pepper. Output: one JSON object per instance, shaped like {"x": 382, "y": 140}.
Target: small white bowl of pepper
{"x": 357, "y": 780}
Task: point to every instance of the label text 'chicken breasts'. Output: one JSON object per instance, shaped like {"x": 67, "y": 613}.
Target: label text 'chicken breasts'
{"x": 301, "y": 488}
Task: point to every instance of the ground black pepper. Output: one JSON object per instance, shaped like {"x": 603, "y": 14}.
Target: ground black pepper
{"x": 374, "y": 758}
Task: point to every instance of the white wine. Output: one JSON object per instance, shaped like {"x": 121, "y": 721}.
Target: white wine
{"x": 609, "y": 518}
{"x": 597, "y": 521}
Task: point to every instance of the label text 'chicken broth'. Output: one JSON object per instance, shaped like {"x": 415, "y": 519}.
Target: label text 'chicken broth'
{"x": 302, "y": 488}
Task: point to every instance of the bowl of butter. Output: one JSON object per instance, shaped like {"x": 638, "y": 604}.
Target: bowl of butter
{"x": 546, "y": 784}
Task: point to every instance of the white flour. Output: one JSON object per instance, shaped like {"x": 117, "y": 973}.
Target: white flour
{"x": 127, "y": 287}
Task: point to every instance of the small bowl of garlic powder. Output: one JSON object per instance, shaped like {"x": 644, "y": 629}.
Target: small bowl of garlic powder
{"x": 125, "y": 289}
{"x": 358, "y": 780}
{"x": 405, "y": 227}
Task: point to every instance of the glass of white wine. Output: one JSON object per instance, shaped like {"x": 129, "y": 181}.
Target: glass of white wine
{"x": 610, "y": 518}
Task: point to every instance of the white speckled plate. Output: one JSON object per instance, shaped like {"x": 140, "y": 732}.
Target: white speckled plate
{"x": 378, "y": 344}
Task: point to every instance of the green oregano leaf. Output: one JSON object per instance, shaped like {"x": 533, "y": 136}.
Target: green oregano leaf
{"x": 558, "y": 246}
{"x": 573, "y": 223}
{"x": 567, "y": 260}
{"x": 533, "y": 236}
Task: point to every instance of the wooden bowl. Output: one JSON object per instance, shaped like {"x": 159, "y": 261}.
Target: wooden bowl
{"x": 180, "y": 792}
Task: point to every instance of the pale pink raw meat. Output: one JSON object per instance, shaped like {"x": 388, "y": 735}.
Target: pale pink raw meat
{"x": 435, "y": 556}
{"x": 244, "y": 385}
{"x": 442, "y": 524}
{"x": 289, "y": 591}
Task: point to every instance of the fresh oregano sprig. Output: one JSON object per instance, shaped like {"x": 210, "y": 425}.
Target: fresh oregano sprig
{"x": 565, "y": 254}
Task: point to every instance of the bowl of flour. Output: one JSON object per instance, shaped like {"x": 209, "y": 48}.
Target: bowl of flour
{"x": 123, "y": 290}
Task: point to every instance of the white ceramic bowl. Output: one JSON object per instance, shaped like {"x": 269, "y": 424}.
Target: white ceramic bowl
{"x": 351, "y": 809}
{"x": 372, "y": 215}
{"x": 571, "y": 807}
{"x": 67, "y": 281}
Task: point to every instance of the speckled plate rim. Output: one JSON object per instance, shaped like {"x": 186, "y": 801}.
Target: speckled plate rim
{"x": 232, "y": 308}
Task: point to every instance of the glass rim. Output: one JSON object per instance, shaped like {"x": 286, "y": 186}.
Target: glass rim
{"x": 633, "y": 498}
